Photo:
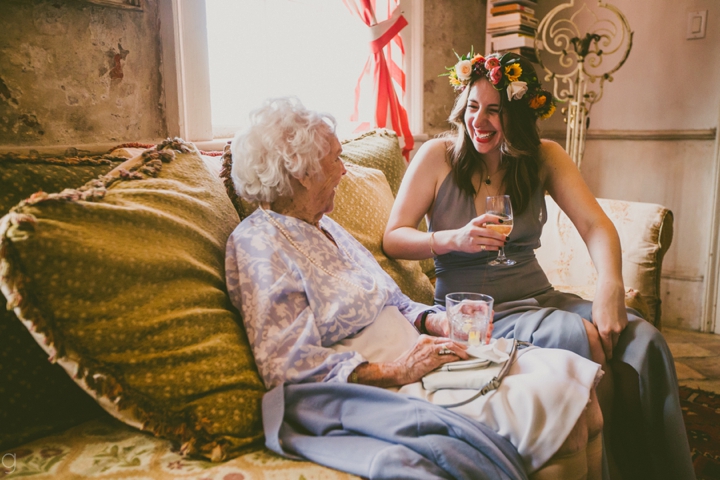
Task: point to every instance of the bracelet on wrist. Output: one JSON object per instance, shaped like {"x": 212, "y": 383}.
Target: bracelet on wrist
{"x": 423, "y": 318}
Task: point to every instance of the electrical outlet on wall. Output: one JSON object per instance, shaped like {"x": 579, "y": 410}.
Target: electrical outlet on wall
{"x": 696, "y": 24}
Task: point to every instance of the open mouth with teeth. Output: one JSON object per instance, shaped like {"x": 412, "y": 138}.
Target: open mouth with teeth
{"x": 483, "y": 137}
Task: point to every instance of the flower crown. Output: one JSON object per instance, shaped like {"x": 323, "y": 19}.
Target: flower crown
{"x": 504, "y": 73}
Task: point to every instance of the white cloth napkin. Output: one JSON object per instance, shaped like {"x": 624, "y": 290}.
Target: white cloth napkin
{"x": 475, "y": 373}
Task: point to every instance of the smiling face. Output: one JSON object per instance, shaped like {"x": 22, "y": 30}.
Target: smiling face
{"x": 482, "y": 117}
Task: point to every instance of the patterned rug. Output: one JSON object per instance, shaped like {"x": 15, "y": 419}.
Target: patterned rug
{"x": 701, "y": 412}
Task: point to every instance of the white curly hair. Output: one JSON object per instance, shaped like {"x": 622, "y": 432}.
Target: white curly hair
{"x": 284, "y": 140}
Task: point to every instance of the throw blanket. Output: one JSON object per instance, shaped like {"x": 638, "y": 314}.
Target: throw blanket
{"x": 378, "y": 434}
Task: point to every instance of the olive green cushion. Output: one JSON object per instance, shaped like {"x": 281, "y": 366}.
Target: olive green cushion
{"x": 22, "y": 175}
{"x": 37, "y": 398}
{"x": 362, "y": 206}
{"x": 122, "y": 282}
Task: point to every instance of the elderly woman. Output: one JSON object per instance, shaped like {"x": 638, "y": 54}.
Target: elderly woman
{"x": 308, "y": 291}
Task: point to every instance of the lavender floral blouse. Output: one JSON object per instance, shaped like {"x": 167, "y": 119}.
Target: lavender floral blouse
{"x": 293, "y": 309}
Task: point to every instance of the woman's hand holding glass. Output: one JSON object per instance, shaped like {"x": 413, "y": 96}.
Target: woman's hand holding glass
{"x": 476, "y": 236}
{"x": 501, "y": 207}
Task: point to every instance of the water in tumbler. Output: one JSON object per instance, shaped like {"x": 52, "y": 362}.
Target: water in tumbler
{"x": 469, "y": 315}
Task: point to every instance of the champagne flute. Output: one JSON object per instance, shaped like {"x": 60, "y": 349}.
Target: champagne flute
{"x": 500, "y": 206}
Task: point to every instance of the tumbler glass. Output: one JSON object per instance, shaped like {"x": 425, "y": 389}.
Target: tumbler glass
{"x": 469, "y": 315}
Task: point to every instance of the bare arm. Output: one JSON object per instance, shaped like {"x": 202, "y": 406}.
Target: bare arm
{"x": 415, "y": 197}
{"x": 417, "y": 193}
{"x": 565, "y": 184}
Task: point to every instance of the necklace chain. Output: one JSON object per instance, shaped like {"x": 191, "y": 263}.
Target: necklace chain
{"x": 286, "y": 234}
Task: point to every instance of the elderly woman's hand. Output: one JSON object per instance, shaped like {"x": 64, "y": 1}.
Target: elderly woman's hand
{"x": 426, "y": 355}
{"x": 437, "y": 324}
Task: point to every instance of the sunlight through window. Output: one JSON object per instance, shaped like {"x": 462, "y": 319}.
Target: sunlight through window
{"x": 314, "y": 49}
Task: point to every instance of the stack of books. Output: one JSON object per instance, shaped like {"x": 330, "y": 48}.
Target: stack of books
{"x": 512, "y": 25}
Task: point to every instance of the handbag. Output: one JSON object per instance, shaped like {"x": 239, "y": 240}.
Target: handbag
{"x": 483, "y": 373}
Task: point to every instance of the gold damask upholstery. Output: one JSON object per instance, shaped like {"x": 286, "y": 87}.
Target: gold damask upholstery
{"x": 362, "y": 206}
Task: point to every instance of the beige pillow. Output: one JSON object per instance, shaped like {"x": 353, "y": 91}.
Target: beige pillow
{"x": 378, "y": 149}
{"x": 362, "y": 206}
{"x": 645, "y": 231}
{"x": 122, "y": 282}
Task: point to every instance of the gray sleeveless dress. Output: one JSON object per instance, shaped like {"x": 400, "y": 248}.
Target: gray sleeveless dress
{"x": 528, "y": 308}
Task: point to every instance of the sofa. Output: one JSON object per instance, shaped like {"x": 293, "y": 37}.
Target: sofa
{"x": 120, "y": 353}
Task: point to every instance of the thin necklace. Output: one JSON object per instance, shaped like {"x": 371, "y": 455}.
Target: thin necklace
{"x": 286, "y": 234}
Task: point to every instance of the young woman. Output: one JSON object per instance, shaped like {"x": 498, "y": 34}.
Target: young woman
{"x": 493, "y": 149}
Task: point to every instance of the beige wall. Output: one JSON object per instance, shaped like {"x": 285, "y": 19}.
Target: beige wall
{"x": 668, "y": 83}
{"x": 449, "y": 24}
{"x": 73, "y": 73}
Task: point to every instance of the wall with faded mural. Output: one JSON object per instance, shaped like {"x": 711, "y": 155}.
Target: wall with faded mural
{"x": 72, "y": 72}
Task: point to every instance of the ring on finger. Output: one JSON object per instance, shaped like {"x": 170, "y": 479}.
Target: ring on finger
{"x": 482, "y": 247}
{"x": 445, "y": 351}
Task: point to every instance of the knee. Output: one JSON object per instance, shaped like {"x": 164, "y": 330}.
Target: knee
{"x": 594, "y": 417}
{"x": 587, "y": 427}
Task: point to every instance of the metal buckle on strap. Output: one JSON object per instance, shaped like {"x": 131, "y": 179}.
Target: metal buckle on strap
{"x": 495, "y": 382}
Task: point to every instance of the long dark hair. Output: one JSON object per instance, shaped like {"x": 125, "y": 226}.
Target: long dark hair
{"x": 520, "y": 149}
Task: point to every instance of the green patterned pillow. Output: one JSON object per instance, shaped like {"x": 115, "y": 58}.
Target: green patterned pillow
{"x": 23, "y": 175}
{"x": 37, "y": 398}
{"x": 362, "y": 206}
{"x": 122, "y": 282}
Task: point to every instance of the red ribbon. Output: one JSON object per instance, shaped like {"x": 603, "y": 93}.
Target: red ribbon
{"x": 385, "y": 71}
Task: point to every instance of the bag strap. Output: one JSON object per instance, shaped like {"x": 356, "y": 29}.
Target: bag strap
{"x": 494, "y": 383}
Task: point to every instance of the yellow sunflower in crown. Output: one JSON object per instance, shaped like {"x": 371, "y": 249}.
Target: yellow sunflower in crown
{"x": 549, "y": 113}
{"x": 513, "y": 72}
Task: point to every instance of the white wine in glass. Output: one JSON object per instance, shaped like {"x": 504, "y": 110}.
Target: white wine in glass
{"x": 500, "y": 206}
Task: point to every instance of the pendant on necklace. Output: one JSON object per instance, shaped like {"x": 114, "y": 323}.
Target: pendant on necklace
{"x": 487, "y": 180}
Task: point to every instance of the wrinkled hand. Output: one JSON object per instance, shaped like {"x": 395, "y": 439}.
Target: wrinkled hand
{"x": 610, "y": 316}
{"x": 438, "y": 325}
{"x": 424, "y": 357}
{"x": 474, "y": 237}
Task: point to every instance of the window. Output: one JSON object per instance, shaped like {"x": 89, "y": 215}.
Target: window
{"x": 324, "y": 39}
{"x": 313, "y": 49}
